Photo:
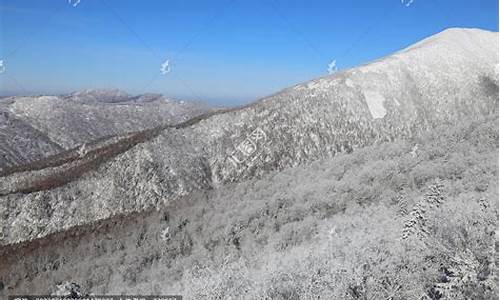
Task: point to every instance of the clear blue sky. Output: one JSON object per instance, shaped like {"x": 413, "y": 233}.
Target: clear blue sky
{"x": 220, "y": 51}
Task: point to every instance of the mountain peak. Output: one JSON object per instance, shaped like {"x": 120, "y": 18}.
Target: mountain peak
{"x": 469, "y": 38}
{"x": 402, "y": 96}
{"x": 100, "y": 95}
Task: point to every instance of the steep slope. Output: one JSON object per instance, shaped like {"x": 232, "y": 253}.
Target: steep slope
{"x": 440, "y": 81}
{"x": 21, "y": 143}
{"x": 65, "y": 122}
{"x": 332, "y": 229}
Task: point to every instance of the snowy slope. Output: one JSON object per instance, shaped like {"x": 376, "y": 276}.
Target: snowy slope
{"x": 441, "y": 80}
{"x": 55, "y": 123}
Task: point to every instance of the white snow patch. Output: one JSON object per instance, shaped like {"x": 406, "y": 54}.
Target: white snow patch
{"x": 375, "y": 103}
{"x": 349, "y": 83}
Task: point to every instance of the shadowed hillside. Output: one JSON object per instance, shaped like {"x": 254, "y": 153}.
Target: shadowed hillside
{"x": 408, "y": 219}
{"x": 33, "y": 128}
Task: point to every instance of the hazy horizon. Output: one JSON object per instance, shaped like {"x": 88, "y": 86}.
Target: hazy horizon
{"x": 222, "y": 52}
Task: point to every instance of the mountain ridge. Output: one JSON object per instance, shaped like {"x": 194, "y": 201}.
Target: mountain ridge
{"x": 398, "y": 97}
{"x": 63, "y": 122}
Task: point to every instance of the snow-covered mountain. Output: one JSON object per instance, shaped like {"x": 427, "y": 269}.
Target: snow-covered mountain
{"x": 32, "y": 128}
{"x": 444, "y": 79}
{"x": 439, "y": 80}
{"x": 98, "y": 96}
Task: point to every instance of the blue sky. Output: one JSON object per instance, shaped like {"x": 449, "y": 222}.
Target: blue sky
{"x": 220, "y": 51}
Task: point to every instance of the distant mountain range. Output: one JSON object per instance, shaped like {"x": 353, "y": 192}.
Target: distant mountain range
{"x": 32, "y": 128}
{"x": 439, "y": 80}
